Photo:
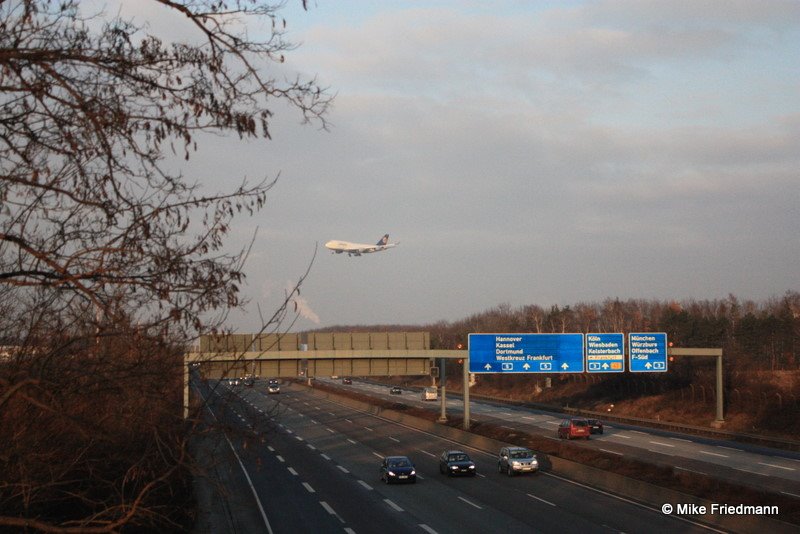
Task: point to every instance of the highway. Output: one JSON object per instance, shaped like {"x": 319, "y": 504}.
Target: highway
{"x": 313, "y": 467}
{"x": 758, "y": 467}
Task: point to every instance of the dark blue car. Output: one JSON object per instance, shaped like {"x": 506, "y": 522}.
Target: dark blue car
{"x": 398, "y": 469}
{"x": 456, "y": 463}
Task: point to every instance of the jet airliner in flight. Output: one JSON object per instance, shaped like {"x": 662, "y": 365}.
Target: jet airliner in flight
{"x": 357, "y": 249}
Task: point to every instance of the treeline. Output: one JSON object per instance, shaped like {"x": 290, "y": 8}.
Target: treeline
{"x": 763, "y": 335}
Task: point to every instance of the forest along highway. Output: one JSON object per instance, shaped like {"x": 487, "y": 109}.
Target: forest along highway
{"x": 332, "y": 455}
{"x": 758, "y": 467}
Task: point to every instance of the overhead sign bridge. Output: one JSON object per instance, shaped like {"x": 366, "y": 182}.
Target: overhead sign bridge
{"x": 317, "y": 354}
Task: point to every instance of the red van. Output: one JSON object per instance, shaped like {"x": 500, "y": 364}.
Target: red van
{"x": 574, "y": 428}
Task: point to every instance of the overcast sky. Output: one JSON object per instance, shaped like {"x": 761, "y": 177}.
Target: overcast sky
{"x": 561, "y": 153}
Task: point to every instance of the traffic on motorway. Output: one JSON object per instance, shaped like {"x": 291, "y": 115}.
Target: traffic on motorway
{"x": 336, "y": 454}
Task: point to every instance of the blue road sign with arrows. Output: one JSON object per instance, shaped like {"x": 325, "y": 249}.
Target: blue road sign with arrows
{"x": 526, "y": 353}
{"x": 647, "y": 352}
{"x": 605, "y": 353}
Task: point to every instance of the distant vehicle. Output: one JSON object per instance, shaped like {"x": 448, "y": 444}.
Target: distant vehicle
{"x": 396, "y": 390}
{"x": 233, "y": 382}
{"x": 517, "y": 460}
{"x": 357, "y": 249}
{"x": 456, "y": 463}
{"x": 574, "y": 428}
{"x": 249, "y": 381}
{"x": 430, "y": 393}
{"x": 398, "y": 469}
{"x": 347, "y": 381}
{"x": 595, "y": 426}
{"x": 273, "y": 387}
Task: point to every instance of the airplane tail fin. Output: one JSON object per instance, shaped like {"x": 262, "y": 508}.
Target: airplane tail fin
{"x": 383, "y": 240}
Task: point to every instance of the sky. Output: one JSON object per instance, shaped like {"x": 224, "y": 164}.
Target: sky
{"x": 521, "y": 153}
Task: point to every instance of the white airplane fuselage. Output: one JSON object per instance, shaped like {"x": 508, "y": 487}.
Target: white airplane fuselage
{"x": 357, "y": 249}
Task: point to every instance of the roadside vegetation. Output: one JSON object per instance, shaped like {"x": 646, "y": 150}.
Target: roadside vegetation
{"x": 111, "y": 260}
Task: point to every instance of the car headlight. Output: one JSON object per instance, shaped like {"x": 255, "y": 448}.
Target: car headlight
{"x": 391, "y": 473}
{"x": 515, "y": 464}
{"x": 472, "y": 467}
{"x": 453, "y": 467}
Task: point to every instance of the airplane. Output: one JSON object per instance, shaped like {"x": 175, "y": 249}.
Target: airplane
{"x": 357, "y": 249}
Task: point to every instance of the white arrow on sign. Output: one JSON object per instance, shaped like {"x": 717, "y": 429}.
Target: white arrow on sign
{"x": 647, "y": 365}
{"x": 487, "y": 366}
{"x": 565, "y": 366}
{"x": 605, "y": 366}
{"x": 526, "y": 366}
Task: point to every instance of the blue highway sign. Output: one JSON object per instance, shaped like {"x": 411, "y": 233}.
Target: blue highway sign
{"x": 647, "y": 352}
{"x": 605, "y": 353}
{"x": 526, "y": 353}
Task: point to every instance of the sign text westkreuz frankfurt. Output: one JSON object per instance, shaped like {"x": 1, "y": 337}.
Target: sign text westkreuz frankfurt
{"x": 526, "y": 353}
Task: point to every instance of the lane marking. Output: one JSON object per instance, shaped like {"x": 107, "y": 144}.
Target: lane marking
{"x": 330, "y": 430}
{"x": 326, "y": 456}
{"x": 348, "y": 420}
{"x": 342, "y": 469}
{"x": 749, "y": 471}
{"x": 778, "y": 466}
{"x": 308, "y": 487}
{"x": 470, "y": 503}
{"x": 662, "y": 444}
{"x": 393, "y": 505}
{"x": 639, "y": 432}
{"x": 327, "y": 507}
{"x": 612, "y": 452}
{"x": 310, "y": 446}
{"x": 365, "y": 484}
{"x": 729, "y": 448}
{"x": 280, "y": 458}
{"x": 270, "y": 449}
{"x": 427, "y": 529}
{"x": 714, "y": 454}
{"x": 540, "y": 499}
{"x": 684, "y": 440}
{"x": 368, "y": 428}
{"x": 394, "y": 439}
{"x": 298, "y": 438}
{"x": 351, "y": 441}
{"x": 619, "y": 436}
{"x": 292, "y": 471}
{"x": 790, "y": 494}
{"x": 428, "y": 453}
{"x": 378, "y": 455}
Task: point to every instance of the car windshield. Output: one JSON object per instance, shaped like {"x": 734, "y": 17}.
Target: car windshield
{"x": 399, "y": 463}
{"x": 458, "y": 458}
{"x": 521, "y": 454}
{"x": 579, "y": 422}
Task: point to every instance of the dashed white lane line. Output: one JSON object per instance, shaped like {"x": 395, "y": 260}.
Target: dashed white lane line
{"x": 351, "y": 441}
{"x": 777, "y": 466}
{"x": 280, "y": 458}
{"x": 427, "y": 529}
{"x": 368, "y": 428}
{"x": 342, "y": 469}
{"x": 662, "y": 444}
{"x": 365, "y": 484}
{"x": 292, "y": 471}
{"x": 470, "y": 503}
{"x": 683, "y": 440}
{"x": 714, "y": 454}
{"x": 308, "y": 487}
{"x": 612, "y": 452}
{"x": 270, "y": 449}
{"x": 310, "y": 446}
{"x": 378, "y": 455}
{"x": 332, "y": 431}
{"x": 540, "y": 499}
{"x": 348, "y": 420}
{"x": 394, "y": 439}
{"x": 393, "y": 505}
{"x": 428, "y": 453}
{"x": 326, "y": 457}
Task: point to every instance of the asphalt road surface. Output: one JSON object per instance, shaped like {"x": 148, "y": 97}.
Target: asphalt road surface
{"x": 313, "y": 466}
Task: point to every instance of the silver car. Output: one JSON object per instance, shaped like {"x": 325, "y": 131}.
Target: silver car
{"x": 516, "y": 460}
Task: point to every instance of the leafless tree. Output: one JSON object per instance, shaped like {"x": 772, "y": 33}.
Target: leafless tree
{"x": 110, "y": 260}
